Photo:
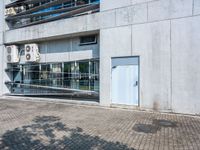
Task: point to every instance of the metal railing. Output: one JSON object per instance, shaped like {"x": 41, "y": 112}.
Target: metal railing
{"x": 32, "y": 13}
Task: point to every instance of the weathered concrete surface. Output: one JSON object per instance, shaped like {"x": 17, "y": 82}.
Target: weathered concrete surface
{"x": 159, "y": 36}
{"x": 196, "y": 7}
{"x": 167, "y": 9}
{"x": 41, "y": 125}
{"x": 185, "y": 65}
{"x": 112, "y": 4}
{"x": 1, "y": 38}
{"x": 66, "y": 50}
{"x": 131, "y": 15}
{"x": 120, "y": 45}
{"x": 51, "y": 30}
{"x": 157, "y": 31}
{"x": 1, "y": 69}
{"x": 1, "y": 19}
{"x": 152, "y": 43}
{"x": 1, "y": 45}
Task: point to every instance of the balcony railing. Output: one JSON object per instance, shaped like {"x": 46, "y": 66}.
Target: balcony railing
{"x": 23, "y": 13}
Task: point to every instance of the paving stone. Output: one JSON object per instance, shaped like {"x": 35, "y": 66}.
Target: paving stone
{"x": 29, "y": 125}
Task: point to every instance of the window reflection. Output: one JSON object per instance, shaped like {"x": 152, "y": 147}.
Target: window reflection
{"x": 52, "y": 78}
{"x": 44, "y": 78}
{"x": 67, "y": 75}
{"x": 56, "y": 75}
{"x": 84, "y": 76}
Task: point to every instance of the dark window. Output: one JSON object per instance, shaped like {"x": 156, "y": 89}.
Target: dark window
{"x": 87, "y": 40}
{"x": 84, "y": 75}
{"x": 82, "y": 2}
{"x": 93, "y": 1}
{"x": 67, "y": 75}
{"x": 45, "y": 77}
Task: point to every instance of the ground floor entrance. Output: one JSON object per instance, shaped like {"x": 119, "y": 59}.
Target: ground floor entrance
{"x": 125, "y": 81}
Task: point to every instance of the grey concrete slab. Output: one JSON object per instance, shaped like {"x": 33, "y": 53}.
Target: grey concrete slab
{"x": 131, "y": 15}
{"x": 152, "y": 43}
{"x": 167, "y": 9}
{"x": 1, "y": 38}
{"x": 118, "y": 45}
{"x": 108, "y": 19}
{"x": 1, "y": 69}
{"x": 65, "y": 27}
{"x": 185, "y": 65}
{"x": 112, "y": 4}
{"x": 5, "y": 76}
{"x": 2, "y": 16}
{"x": 196, "y": 7}
{"x": 141, "y": 1}
{"x": 140, "y": 13}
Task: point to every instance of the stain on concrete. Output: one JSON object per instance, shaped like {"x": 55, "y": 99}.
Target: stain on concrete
{"x": 157, "y": 125}
{"x": 155, "y": 106}
{"x": 146, "y": 128}
{"x": 164, "y": 123}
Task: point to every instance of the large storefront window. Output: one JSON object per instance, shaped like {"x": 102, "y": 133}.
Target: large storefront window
{"x": 67, "y": 75}
{"x": 44, "y": 72}
{"x": 31, "y": 74}
{"x": 84, "y": 76}
{"x": 67, "y": 78}
{"x": 56, "y": 75}
{"x": 94, "y": 76}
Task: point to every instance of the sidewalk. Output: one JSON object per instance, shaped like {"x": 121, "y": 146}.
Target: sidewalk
{"x": 42, "y": 125}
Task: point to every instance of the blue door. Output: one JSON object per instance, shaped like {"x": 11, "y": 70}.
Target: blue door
{"x": 125, "y": 83}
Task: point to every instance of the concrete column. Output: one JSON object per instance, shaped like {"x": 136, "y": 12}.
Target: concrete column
{"x": 1, "y": 44}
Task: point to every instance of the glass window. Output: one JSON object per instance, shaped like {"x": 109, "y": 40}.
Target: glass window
{"x": 17, "y": 78}
{"x": 84, "y": 76}
{"x": 45, "y": 75}
{"x": 74, "y": 75}
{"x": 16, "y": 73}
{"x": 93, "y": 1}
{"x": 67, "y": 75}
{"x": 31, "y": 74}
{"x": 56, "y": 75}
{"x": 94, "y": 75}
{"x": 82, "y": 2}
{"x": 87, "y": 40}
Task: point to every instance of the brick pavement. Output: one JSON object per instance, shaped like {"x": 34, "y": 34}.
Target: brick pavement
{"x": 54, "y": 126}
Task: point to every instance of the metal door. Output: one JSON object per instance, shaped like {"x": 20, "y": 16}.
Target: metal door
{"x": 125, "y": 84}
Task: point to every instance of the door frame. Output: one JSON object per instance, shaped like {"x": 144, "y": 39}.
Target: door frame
{"x": 124, "y": 57}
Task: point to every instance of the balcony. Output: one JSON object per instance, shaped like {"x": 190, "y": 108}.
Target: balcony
{"x": 24, "y": 13}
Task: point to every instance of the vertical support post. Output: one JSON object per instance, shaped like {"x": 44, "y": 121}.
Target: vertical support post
{"x": 75, "y": 3}
{"x": 89, "y": 74}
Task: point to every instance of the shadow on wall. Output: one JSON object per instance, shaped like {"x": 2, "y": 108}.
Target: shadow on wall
{"x": 47, "y": 132}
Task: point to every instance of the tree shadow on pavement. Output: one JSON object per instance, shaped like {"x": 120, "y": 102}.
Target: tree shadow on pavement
{"x": 49, "y": 133}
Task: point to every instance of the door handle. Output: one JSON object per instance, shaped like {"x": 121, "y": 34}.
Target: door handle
{"x": 136, "y": 83}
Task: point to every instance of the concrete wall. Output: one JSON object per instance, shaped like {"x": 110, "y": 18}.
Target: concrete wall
{"x": 185, "y": 64}
{"x": 65, "y": 50}
{"x": 52, "y": 30}
{"x": 1, "y": 70}
{"x": 165, "y": 34}
{"x": 1, "y": 45}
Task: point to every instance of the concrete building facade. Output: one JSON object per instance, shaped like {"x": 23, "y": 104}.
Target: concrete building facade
{"x": 163, "y": 35}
